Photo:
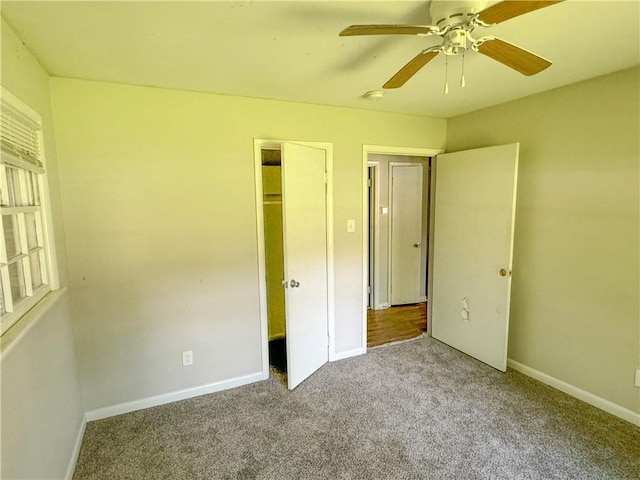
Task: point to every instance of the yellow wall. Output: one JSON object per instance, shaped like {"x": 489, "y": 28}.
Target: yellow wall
{"x": 575, "y": 297}
{"x": 42, "y": 411}
{"x": 159, "y": 203}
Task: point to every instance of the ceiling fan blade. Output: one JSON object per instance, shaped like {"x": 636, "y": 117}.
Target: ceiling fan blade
{"x": 508, "y": 9}
{"x": 388, "y": 30}
{"x": 517, "y": 58}
{"x": 410, "y": 69}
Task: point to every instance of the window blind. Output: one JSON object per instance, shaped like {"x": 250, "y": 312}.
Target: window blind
{"x": 20, "y": 140}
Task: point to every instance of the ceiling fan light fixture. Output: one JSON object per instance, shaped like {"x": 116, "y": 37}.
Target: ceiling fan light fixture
{"x": 456, "y": 21}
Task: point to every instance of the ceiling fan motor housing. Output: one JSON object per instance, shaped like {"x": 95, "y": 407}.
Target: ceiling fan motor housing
{"x": 455, "y": 41}
{"x": 454, "y": 12}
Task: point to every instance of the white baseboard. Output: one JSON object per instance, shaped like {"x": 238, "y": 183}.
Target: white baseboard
{"x": 76, "y": 449}
{"x": 172, "y": 397}
{"x": 590, "y": 398}
{"x": 349, "y": 353}
{"x": 381, "y": 306}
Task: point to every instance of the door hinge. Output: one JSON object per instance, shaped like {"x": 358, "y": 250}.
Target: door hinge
{"x": 326, "y": 177}
{"x": 369, "y": 289}
{"x": 369, "y": 182}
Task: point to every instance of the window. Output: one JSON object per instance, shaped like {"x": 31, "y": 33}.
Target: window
{"x": 25, "y": 273}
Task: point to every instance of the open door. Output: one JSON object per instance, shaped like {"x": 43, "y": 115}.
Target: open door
{"x": 305, "y": 260}
{"x": 475, "y": 200}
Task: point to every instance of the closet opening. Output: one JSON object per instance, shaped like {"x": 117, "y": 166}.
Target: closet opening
{"x": 274, "y": 259}
{"x": 294, "y": 218}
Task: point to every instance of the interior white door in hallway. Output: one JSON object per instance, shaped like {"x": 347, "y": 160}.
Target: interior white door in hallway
{"x": 475, "y": 195}
{"x": 304, "y": 211}
{"x": 406, "y": 233}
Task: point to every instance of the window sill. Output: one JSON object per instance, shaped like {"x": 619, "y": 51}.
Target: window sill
{"x": 22, "y": 327}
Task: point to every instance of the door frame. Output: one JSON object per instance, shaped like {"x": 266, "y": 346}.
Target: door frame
{"x": 373, "y": 232}
{"x": 384, "y": 150}
{"x": 258, "y": 146}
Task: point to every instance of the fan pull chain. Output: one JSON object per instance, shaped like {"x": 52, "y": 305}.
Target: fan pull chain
{"x": 462, "y": 82}
{"x": 446, "y": 74}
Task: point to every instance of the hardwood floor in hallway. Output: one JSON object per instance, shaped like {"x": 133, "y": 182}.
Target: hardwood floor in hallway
{"x": 396, "y": 323}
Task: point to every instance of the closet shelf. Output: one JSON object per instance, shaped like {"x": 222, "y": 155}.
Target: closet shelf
{"x": 272, "y": 198}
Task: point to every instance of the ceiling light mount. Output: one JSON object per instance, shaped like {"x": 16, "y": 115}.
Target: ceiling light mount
{"x": 374, "y": 95}
{"x": 448, "y": 14}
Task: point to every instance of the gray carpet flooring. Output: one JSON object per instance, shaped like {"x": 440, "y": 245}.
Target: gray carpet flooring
{"x": 415, "y": 410}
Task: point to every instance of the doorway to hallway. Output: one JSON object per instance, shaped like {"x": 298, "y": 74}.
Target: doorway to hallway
{"x": 397, "y": 208}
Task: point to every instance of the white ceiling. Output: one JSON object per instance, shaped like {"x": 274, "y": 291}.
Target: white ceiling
{"x": 291, "y": 50}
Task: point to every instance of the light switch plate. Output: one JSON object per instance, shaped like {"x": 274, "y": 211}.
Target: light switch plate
{"x": 384, "y": 210}
{"x": 638, "y": 377}
{"x": 351, "y": 226}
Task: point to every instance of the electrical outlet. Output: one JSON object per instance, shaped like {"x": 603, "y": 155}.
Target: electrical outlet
{"x": 638, "y": 377}
{"x": 187, "y": 358}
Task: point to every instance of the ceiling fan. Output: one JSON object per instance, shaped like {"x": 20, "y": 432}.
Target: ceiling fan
{"x": 456, "y": 21}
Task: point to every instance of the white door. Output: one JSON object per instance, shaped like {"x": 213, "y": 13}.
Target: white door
{"x": 305, "y": 260}
{"x": 473, "y": 248}
{"x": 406, "y": 233}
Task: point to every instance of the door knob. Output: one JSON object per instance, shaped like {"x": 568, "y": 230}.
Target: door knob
{"x": 285, "y": 284}
{"x": 417, "y": 245}
{"x": 294, "y": 284}
{"x": 502, "y": 272}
